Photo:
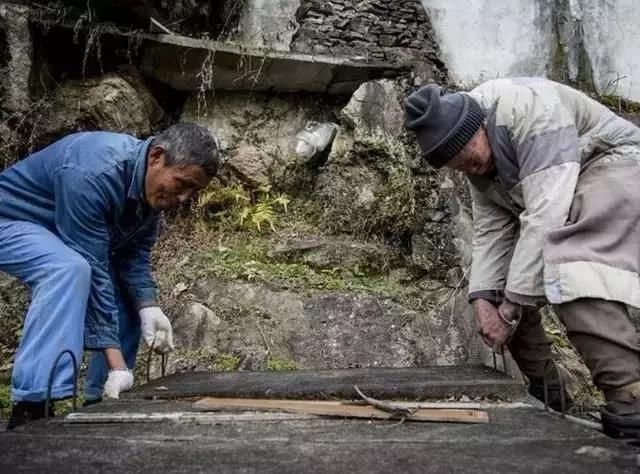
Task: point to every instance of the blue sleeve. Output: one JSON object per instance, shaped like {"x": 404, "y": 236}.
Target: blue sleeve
{"x": 133, "y": 267}
{"x": 82, "y": 208}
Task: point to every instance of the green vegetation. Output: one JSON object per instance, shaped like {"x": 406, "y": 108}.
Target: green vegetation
{"x": 237, "y": 208}
{"x": 226, "y": 362}
{"x": 247, "y": 259}
{"x": 60, "y": 408}
{"x": 278, "y": 364}
{"x": 618, "y": 103}
{"x": 395, "y": 201}
{"x": 5, "y": 401}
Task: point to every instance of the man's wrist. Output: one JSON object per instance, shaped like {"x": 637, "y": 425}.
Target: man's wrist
{"x": 114, "y": 359}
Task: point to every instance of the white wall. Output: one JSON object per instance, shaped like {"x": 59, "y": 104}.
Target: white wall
{"x": 612, "y": 39}
{"x": 482, "y": 39}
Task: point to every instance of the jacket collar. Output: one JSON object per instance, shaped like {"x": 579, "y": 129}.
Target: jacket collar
{"x": 136, "y": 187}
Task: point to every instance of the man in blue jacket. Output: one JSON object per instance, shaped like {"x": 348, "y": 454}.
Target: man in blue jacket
{"x": 77, "y": 222}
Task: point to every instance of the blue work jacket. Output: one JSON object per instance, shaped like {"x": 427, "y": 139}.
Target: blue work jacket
{"x": 88, "y": 189}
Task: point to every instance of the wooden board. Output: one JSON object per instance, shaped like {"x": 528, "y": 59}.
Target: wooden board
{"x": 338, "y": 409}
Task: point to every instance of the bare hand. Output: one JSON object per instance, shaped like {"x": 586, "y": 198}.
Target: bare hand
{"x": 494, "y": 331}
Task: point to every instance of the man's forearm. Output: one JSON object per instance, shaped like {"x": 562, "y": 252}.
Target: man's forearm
{"x": 114, "y": 358}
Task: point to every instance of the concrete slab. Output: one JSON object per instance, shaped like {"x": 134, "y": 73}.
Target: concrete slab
{"x": 421, "y": 383}
{"x": 517, "y": 440}
{"x": 195, "y": 64}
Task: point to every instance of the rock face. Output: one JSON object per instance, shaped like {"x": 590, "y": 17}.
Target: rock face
{"x": 15, "y": 73}
{"x": 15, "y": 58}
{"x": 323, "y": 330}
{"x": 374, "y": 184}
{"x": 326, "y": 253}
{"x": 257, "y": 132}
{"x": 366, "y": 184}
{"x": 197, "y": 328}
{"x": 373, "y": 29}
{"x": 118, "y": 103}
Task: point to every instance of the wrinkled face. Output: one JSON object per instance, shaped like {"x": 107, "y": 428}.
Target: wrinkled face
{"x": 475, "y": 158}
{"x": 167, "y": 187}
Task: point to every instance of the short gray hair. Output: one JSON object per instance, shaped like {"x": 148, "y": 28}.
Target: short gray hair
{"x": 188, "y": 144}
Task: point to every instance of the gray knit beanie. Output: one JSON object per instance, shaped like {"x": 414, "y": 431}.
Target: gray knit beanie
{"x": 443, "y": 122}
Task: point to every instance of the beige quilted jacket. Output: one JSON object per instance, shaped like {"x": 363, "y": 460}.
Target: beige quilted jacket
{"x": 544, "y": 135}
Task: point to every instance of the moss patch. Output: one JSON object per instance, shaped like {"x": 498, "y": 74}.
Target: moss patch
{"x": 278, "y": 364}
{"x": 226, "y": 362}
{"x": 246, "y": 259}
{"x": 5, "y": 400}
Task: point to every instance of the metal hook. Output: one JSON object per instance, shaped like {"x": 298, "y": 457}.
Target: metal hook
{"x": 546, "y": 392}
{"x": 50, "y": 384}
{"x": 563, "y": 401}
{"x": 163, "y": 361}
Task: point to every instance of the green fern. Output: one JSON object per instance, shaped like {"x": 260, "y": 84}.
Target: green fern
{"x": 282, "y": 200}
{"x": 236, "y": 206}
{"x": 214, "y": 195}
{"x": 243, "y": 215}
{"x": 262, "y": 213}
{"x": 264, "y": 189}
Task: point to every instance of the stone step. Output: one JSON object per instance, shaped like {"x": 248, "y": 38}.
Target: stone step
{"x": 415, "y": 383}
{"x": 145, "y": 436}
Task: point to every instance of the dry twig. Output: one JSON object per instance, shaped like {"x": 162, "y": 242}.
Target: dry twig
{"x": 395, "y": 410}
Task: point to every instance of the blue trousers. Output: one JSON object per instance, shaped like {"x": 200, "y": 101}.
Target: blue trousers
{"x": 60, "y": 280}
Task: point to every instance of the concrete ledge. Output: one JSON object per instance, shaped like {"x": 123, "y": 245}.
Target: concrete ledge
{"x": 421, "y": 383}
{"x": 191, "y": 64}
{"x": 518, "y": 440}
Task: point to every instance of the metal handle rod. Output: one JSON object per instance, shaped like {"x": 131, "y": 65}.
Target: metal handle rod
{"x": 52, "y": 373}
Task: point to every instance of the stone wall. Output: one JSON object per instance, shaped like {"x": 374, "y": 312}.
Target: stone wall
{"x": 375, "y": 30}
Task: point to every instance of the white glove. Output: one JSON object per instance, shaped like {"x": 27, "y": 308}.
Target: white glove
{"x": 119, "y": 380}
{"x": 156, "y": 329}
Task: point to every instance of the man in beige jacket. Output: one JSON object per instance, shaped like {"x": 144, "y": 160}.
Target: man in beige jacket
{"x": 555, "y": 183}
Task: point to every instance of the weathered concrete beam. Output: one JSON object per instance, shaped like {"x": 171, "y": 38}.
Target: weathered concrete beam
{"x": 193, "y": 64}
{"x": 412, "y": 383}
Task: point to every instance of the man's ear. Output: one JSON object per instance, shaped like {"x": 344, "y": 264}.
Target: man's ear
{"x": 156, "y": 156}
